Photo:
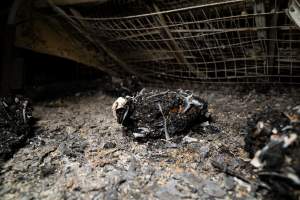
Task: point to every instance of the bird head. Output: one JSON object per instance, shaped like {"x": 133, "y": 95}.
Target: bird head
{"x": 118, "y": 104}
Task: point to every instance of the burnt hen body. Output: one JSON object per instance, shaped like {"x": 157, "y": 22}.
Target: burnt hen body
{"x": 15, "y": 124}
{"x": 154, "y": 114}
{"x": 274, "y": 143}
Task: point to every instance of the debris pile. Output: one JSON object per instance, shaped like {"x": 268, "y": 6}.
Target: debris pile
{"x": 261, "y": 126}
{"x": 123, "y": 87}
{"x": 156, "y": 114}
{"x": 15, "y": 123}
{"x": 273, "y": 142}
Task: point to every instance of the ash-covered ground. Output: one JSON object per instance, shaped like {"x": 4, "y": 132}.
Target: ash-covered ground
{"x": 78, "y": 151}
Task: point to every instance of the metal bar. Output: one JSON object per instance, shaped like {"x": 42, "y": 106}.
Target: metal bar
{"x": 172, "y": 43}
{"x": 109, "y": 52}
{"x": 172, "y": 11}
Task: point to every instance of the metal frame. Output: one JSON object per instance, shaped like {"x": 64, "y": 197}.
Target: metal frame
{"x": 199, "y": 41}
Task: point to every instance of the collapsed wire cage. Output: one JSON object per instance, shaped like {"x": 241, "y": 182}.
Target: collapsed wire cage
{"x": 211, "y": 41}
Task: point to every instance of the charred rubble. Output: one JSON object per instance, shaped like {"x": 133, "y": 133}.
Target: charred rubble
{"x": 261, "y": 126}
{"x": 160, "y": 114}
{"x": 128, "y": 86}
{"x": 273, "y": 142}
{"x": 15, "y": 123}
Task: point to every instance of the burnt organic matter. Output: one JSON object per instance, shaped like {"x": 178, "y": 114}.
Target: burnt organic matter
{"x": 15, "y": 123}
{"x": 161, "y": 114}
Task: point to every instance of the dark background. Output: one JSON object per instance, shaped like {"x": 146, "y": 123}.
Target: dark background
{"x": 27, "y": 72}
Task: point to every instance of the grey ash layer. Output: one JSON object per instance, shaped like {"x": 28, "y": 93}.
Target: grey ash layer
{"x": 78, "y": 152}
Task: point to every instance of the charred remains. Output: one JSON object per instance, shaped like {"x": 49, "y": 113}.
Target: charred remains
{"x": 155, "y": 114}
{"x": 15, "y": 123}
{"x": 274, "y": 138}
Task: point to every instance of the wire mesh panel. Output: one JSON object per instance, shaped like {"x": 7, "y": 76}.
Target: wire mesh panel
{"x": 196, "y": 41}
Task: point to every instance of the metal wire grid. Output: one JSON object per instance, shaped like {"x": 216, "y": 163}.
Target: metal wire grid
{"x": 221, "y": 41}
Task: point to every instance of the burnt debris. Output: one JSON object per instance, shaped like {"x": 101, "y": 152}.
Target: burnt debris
{"x": 261, "y": 126}
{"x": 15, "y": 123}
{"x": 128, "y": 86}
{"x": 273, "y": 141}
{"x": 160, "y": 114}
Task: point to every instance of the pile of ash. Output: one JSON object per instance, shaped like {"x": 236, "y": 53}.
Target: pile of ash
{"x": 160, "y": 114}
{"x": 15, "y": 123}
{"x": 273, "y": 142}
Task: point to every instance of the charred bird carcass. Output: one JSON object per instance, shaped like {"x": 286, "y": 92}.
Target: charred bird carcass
{"x": 15, "y": 123}
{"x": 160, "y": 114}
{"x": 273, "y": 142}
